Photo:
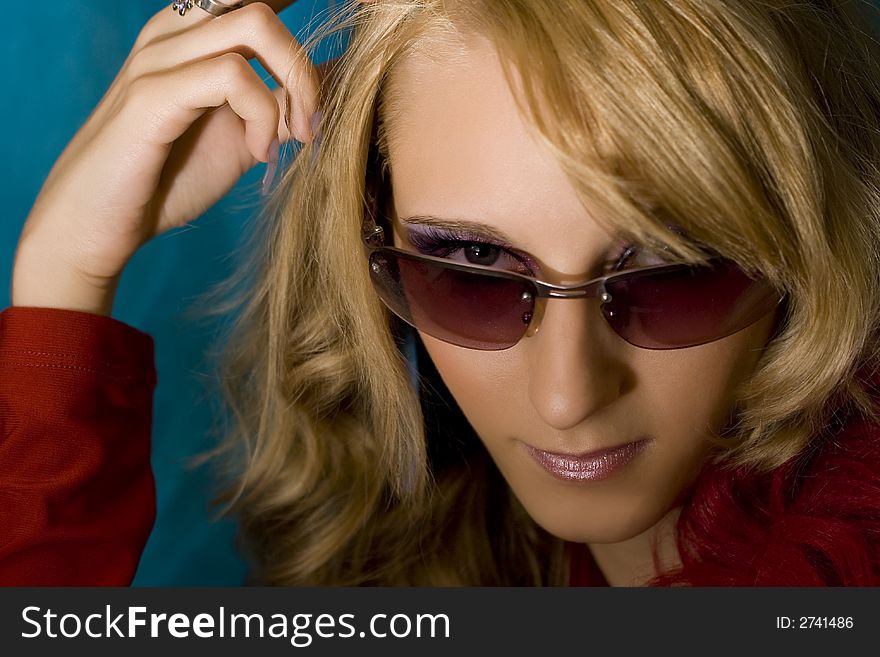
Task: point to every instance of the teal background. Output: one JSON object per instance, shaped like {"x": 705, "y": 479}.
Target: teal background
{"x": 59, "y": 58}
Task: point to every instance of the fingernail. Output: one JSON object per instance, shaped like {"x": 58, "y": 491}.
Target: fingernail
{"x": 271, "y": 166}
{"x": 315, "y": 126}
{"x": 288, "y": 109}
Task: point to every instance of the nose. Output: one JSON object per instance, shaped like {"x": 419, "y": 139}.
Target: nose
{"x": 575, "y": 369}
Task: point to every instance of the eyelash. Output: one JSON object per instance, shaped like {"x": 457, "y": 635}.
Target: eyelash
{"x": 443, "y": 242}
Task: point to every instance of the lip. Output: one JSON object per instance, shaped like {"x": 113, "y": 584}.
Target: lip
{"x": 588, "y": 466}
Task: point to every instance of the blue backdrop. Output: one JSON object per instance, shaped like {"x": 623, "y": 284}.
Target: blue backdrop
{"x": 60, "y": 57}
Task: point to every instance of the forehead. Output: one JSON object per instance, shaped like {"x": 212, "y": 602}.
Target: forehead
{"x": 460, "y": 148}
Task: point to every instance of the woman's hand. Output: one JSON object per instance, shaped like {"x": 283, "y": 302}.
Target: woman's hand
{"x": 184, "y": 119}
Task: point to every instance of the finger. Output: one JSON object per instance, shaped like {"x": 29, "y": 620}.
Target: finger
{"x": 168, "y": 22}
{"x": 169, "y": 102}
{"x": 253, "y": 31}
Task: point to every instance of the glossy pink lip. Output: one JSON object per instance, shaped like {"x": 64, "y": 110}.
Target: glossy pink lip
{"x": 589, "y": 466}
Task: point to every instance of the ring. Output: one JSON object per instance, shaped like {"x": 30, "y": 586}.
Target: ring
{"x": 211, "y": 6}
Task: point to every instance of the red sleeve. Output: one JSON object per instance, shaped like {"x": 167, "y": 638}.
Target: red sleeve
{"x": 77, "y": 497}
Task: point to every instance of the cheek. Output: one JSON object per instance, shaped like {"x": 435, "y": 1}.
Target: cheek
{"x": 487, "y": 385}
{"x": 694, "y": 388}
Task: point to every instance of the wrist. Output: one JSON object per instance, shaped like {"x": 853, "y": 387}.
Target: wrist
{"x": 42, "y": 281}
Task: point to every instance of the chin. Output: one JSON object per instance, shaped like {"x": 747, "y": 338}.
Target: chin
{"x": 612, "y": 524}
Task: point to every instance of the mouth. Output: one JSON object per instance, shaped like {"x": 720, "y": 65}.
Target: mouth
{"x": 588, "y": 466}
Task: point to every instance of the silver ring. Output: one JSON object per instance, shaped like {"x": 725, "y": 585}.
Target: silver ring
{"x": 211, "y": 6}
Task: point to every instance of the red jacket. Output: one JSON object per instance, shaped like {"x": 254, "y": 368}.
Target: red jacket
{"x": 77, "y": 497}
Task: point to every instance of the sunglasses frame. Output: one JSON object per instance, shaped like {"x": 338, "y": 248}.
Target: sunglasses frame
{"x": 374, "y": 242}
{"x": 374, "y": 239}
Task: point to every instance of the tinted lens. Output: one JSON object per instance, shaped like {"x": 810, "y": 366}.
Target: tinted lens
{"x": 686, "y": 306}
{"x": 478, "y": 310}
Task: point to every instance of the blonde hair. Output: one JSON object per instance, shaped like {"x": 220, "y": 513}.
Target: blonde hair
{"x": 751, "y": 125}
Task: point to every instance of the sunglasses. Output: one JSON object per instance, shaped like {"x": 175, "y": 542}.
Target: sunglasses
{"x": 666, "y": 306}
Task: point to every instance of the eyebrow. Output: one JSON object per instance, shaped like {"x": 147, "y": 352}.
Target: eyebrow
{"x": 474, "y": 227}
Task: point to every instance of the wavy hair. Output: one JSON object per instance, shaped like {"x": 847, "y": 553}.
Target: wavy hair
{"x": 752, "y": 125}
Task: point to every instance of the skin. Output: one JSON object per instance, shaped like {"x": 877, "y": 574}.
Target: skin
{"x": 464, "y": 152}
{"x": 184, "y": 119}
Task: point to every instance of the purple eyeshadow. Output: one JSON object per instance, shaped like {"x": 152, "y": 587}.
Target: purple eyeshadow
{"x": 442, "y": 241}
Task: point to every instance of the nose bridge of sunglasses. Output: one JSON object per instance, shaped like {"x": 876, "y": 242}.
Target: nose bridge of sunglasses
{"x": 540, "y": 306}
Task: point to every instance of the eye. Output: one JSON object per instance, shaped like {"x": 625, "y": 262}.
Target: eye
{"x": 466, "y": 249}
{"x": 481, "y": 253}
{"x": 634, "y": 256}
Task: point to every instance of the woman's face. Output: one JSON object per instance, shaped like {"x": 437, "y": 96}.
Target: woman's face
{"x": 462, "y": 152}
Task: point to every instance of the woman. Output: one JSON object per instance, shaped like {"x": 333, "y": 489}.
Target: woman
{"x": 636, "y": 243}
